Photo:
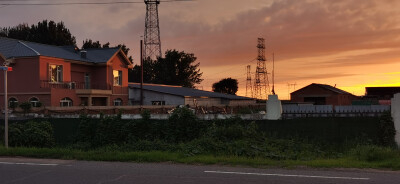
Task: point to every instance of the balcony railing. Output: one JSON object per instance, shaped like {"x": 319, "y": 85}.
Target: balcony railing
{"x": 74, "y": 85}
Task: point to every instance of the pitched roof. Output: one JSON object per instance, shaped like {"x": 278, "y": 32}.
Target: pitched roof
{"x": 327, "y": 87}
{"x": 183, "y": 91}
{"x": 334, "y": 89}
{"x": 12, "y": 48}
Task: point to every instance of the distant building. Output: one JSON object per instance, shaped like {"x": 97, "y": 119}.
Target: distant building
{"x": 322, "y": 94}
{"x": 381, "y": 93}
{"x": 64, "y": 76}
{"x": 156, "y": 94}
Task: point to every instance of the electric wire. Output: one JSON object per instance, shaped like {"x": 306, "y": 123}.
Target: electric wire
{"x": 83, "y": 3}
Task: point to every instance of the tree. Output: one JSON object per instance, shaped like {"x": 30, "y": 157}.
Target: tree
{"x": 51, "y": 33}
{"x": 227, "y": 86}
{"x": 88, "y": 43}
{"x": 46, "y": 32}
{"x": 148, "y": 74}
{"x": 176, "y": 68}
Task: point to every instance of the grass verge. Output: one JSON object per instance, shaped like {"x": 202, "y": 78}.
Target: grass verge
{"x": 361, "y": 157}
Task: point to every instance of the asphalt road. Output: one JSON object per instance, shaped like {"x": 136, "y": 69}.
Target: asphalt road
{"x": 45, "y": 171}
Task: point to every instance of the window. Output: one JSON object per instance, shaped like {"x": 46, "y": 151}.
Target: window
{"x": 157, "y": 102}
{"x": 12, "y": 102}
{"x": 87, "y": 80}
{"x": 34, "y": 102}
{"x": 117, "y": 77}
{"x": 66, "y": 102}
{"x": 56, "y": 73}
{"x": 118, "y": 102}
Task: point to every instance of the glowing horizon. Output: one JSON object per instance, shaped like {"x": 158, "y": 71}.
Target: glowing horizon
{"x": 353, "y": 44}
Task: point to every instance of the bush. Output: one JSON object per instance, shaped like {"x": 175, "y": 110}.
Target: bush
{"x": 145, "y": 115}
{"x": 386, "y": 130}
{"x": 372, "y": 153}
{"x": 13, "y": 105}
{"x": 26, "y": 106}
{"x": 183, "y": 126}
{"x": 31, "y": 134}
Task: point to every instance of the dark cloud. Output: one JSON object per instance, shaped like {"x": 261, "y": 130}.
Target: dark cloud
{"x": 294, "y": 29}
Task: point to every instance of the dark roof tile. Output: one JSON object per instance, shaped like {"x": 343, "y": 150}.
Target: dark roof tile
{"x": 17, "y": 48}
{"x": 183, "y": 91}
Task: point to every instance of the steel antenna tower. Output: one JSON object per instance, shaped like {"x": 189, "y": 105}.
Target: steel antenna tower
{"x": 152, "y": 42}
{"x": 249, "y": 89}
{"x": 261, "y": 83}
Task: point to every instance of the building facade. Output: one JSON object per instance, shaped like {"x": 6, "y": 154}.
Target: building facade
{"x": 63, "y": 76}
{"x": 156, "y": 94}
{"x": 322, "y": 94}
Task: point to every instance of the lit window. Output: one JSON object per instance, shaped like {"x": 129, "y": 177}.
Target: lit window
{"x": 34, "y": 102}
{"x": 66, "y": 102}
{"x": 117, "y": 77}
{"x": 56, "y": 73}
{"x": 12, "y": 102}
{"x": 118, "y": 102}
{"x": 157, "y": 102}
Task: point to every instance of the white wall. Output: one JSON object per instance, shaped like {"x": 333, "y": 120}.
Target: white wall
{"x": 149, "y": 96}
{"x": 396, "y": 116}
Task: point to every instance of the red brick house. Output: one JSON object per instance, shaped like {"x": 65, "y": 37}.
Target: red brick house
{"x": 64, "y": 76}
{"x": 322, "y": 94}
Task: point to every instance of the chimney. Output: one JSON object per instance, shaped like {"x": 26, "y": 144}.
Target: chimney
{"x": 83, "y": 54}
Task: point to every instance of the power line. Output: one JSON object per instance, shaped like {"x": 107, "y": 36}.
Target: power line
{"x": 83, "y": 3}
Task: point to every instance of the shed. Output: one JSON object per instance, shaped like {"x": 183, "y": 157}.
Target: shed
{"x": 322, "y": 94}
{"x": 157, "y": 94}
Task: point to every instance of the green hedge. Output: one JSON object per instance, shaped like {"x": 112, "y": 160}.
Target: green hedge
{"x": 183, "y": 126}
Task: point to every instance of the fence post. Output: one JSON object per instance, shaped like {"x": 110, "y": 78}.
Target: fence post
{"x": 396, "y": 116}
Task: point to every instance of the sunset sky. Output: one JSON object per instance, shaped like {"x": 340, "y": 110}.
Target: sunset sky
{"x": 348, "y": 43}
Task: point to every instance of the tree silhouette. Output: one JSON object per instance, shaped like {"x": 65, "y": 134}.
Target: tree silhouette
{"x": 176, "y": 68}
{"x": 227, "y": 86}
{"x": 46, "y": 32}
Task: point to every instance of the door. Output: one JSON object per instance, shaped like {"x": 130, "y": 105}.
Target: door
{"x": 87, "y": 80}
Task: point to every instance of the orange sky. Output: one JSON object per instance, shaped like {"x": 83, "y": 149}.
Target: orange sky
{"x": 350, "y": 43}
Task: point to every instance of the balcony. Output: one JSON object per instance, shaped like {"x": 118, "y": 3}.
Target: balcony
{"x": 74, "y": 85}
{"x": 83, "y": 88}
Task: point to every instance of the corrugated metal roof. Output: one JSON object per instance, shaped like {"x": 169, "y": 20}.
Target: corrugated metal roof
{"x": 16, "y": 48}
{"x": 183, "y": 91}
{"x": 327, "y": 87}
{"x": 334, "y": 89}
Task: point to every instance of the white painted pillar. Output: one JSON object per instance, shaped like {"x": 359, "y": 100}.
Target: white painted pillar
{"x": 396, "y": 116}
{"x": 274, "y": 108}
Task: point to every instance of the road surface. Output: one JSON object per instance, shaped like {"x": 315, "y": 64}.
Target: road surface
{"x": 48, "y": 171}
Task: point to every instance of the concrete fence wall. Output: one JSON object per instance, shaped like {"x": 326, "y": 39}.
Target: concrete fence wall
{"x": 295, "y": 111}
{"x": 396, "y": 116}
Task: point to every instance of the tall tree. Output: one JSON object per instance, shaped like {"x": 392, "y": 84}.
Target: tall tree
{"x": 227, "y": 86}
{"x": 88, "y": 44}
{"x": 176, "y": 68}
{"x": 46, "y": 32}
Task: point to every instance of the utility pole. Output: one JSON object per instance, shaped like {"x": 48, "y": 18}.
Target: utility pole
{"x": 152, "y": 41}
{"x": 290, "y": 85}
{"x": 249, "y": 88}
{"x": 273, "y": 73}
{"x": 141, "y": 72}
{"x": 5, "y": 69}
{"x": 261, "y": 83}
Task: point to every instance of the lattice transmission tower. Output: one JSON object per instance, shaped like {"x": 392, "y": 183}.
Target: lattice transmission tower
{"x": 261, "y": 83}
{"x": 152, "y": 41}
{"x": 249, "y": 88}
